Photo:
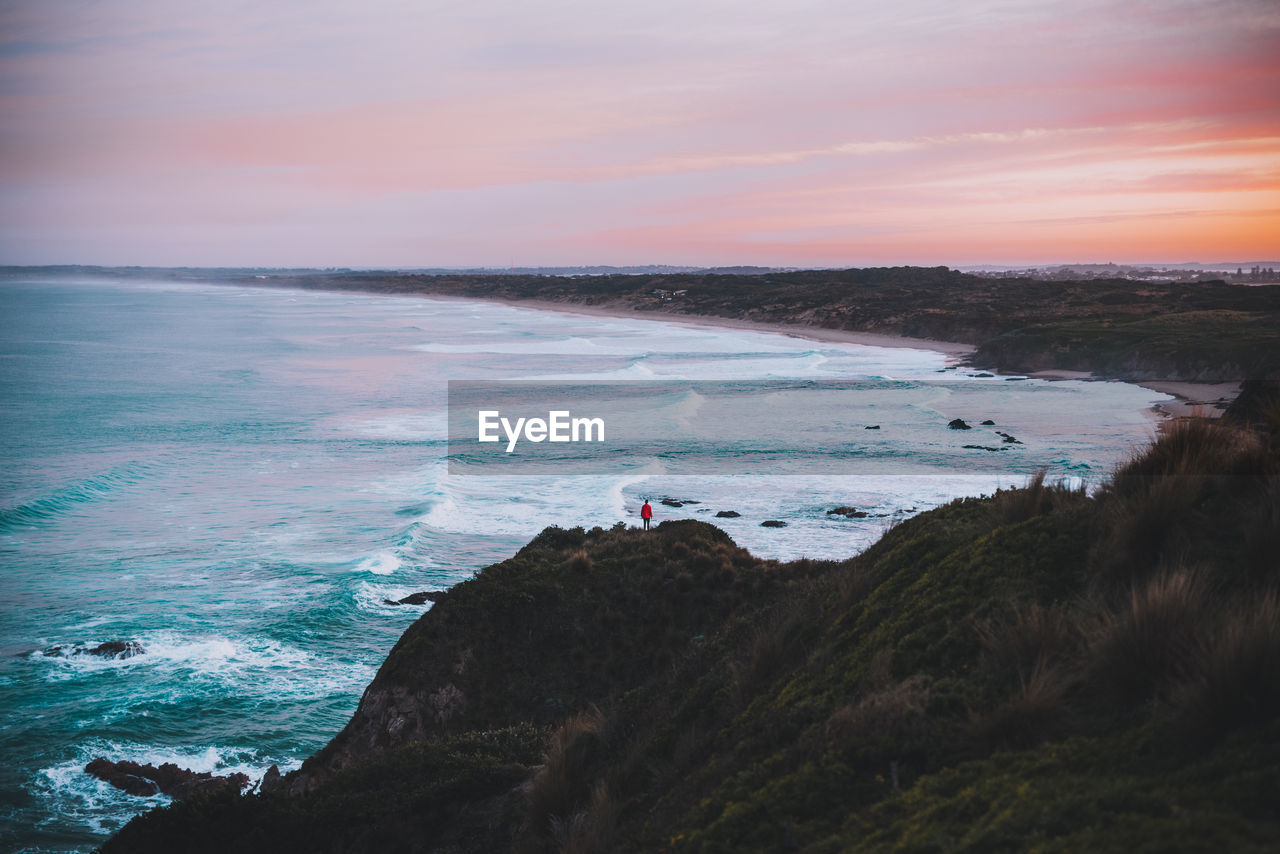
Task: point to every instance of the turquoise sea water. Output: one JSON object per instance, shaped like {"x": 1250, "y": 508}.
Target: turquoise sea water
{"x": 237, "y": 478}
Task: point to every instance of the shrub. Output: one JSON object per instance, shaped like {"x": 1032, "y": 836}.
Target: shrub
{"x": 579, "y": 562}
{"x": 893, "y": 716}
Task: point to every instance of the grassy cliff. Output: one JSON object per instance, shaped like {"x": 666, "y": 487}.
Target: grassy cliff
{"x": 1036, "y": 670}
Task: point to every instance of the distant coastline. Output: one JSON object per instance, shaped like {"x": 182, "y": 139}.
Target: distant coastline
{"x": 1194, "y": 340}
{"x": 1189, "y": 398}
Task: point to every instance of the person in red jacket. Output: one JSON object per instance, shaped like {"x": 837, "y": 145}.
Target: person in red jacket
{"x": 646, "y": 513}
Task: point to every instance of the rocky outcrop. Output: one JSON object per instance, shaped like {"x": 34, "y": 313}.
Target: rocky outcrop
{"x": 958, "y": 424}
{"x": 117, "y": 649}
{"x": 167, "y": 779}
{"x": 421, "y": 598}
{"x": 539, "y": 636}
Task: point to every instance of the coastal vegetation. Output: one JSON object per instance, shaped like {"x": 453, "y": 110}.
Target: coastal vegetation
{"x": 1042, "y": 668}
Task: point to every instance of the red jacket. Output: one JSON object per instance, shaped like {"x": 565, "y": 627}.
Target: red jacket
{"x": 646, "y": 512}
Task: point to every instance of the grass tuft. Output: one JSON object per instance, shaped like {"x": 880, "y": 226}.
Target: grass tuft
{"x": 562, "y": 785}
{"x": 1033, "y": 638}
{"x": 1037, "y": 498}
{"x": 1234, "y": 673}
{"x": 1034, "y": 713}
{"x": 1136, "y": 650}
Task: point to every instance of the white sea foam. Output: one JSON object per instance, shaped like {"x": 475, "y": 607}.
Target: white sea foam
{"x": 374, "y": 598}
{"x": 520, "y": 507}
{"x": 399, "y": 426}
{"x": 382, "y": 563}
{"x": 250, "y": 666}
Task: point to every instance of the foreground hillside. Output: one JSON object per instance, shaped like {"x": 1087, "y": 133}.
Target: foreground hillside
{"x": 1039, "y": 669}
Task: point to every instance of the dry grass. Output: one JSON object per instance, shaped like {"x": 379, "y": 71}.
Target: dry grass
{"x": 1032, "y": 714}
{"x": 1190, "y": 446}
{"x": 591, "y": 831}
{"x": 1233, "y": 679}
{"x": 1037, "y": 498}
{"x": 775, "y": 645}
{"x": 1137, "y": 650}
{"x": 1260, "y": 543}
{"x": 563, "y": 784}
{"x": 1147, "y": 528}
{"x": 1033, "y": 638}
{"x": 893, "y": 715}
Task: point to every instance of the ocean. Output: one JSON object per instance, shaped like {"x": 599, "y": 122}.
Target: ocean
{"x": 238, "y": 478}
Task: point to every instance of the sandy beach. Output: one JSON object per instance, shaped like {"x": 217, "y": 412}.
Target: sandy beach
{"x": 1209, "y": 399}
{"x": 955, "y": 351}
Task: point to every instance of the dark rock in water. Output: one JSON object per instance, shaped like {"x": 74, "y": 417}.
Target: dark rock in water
{"x": 1014, "y": 379}
{"x": 958, "y": 424}
{"x": 728, "y": 514}
{"x": 110, "y": 649}
{"x": 418, "y": 598}
{"x": 872, "y": 427}
{"x": 671, "y": 502}
{"x": 114, "y": 774}
{"x": 272, "y": 781}
{"x": 982, "y": 375}
{"x": 1009, "y": 440}
{"x": 773, "y": 523}
{"x": 168, "y": 779}
{"x": 988, "y": 423}
{"x": 984, "y": 448}
{"x": 115, "y": 649}
{"x": 847, "y": 512}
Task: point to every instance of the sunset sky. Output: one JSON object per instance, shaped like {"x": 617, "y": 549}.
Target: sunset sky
{"x": 787, "y": 132}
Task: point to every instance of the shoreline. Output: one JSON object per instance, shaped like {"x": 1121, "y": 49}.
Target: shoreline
{"x": 1207, "y": 399}
{"x": 951, "y": 349}
{"x": 1189, "y": 399}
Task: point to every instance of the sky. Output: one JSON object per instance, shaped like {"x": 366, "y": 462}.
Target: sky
{"x": 810, "y": 133}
